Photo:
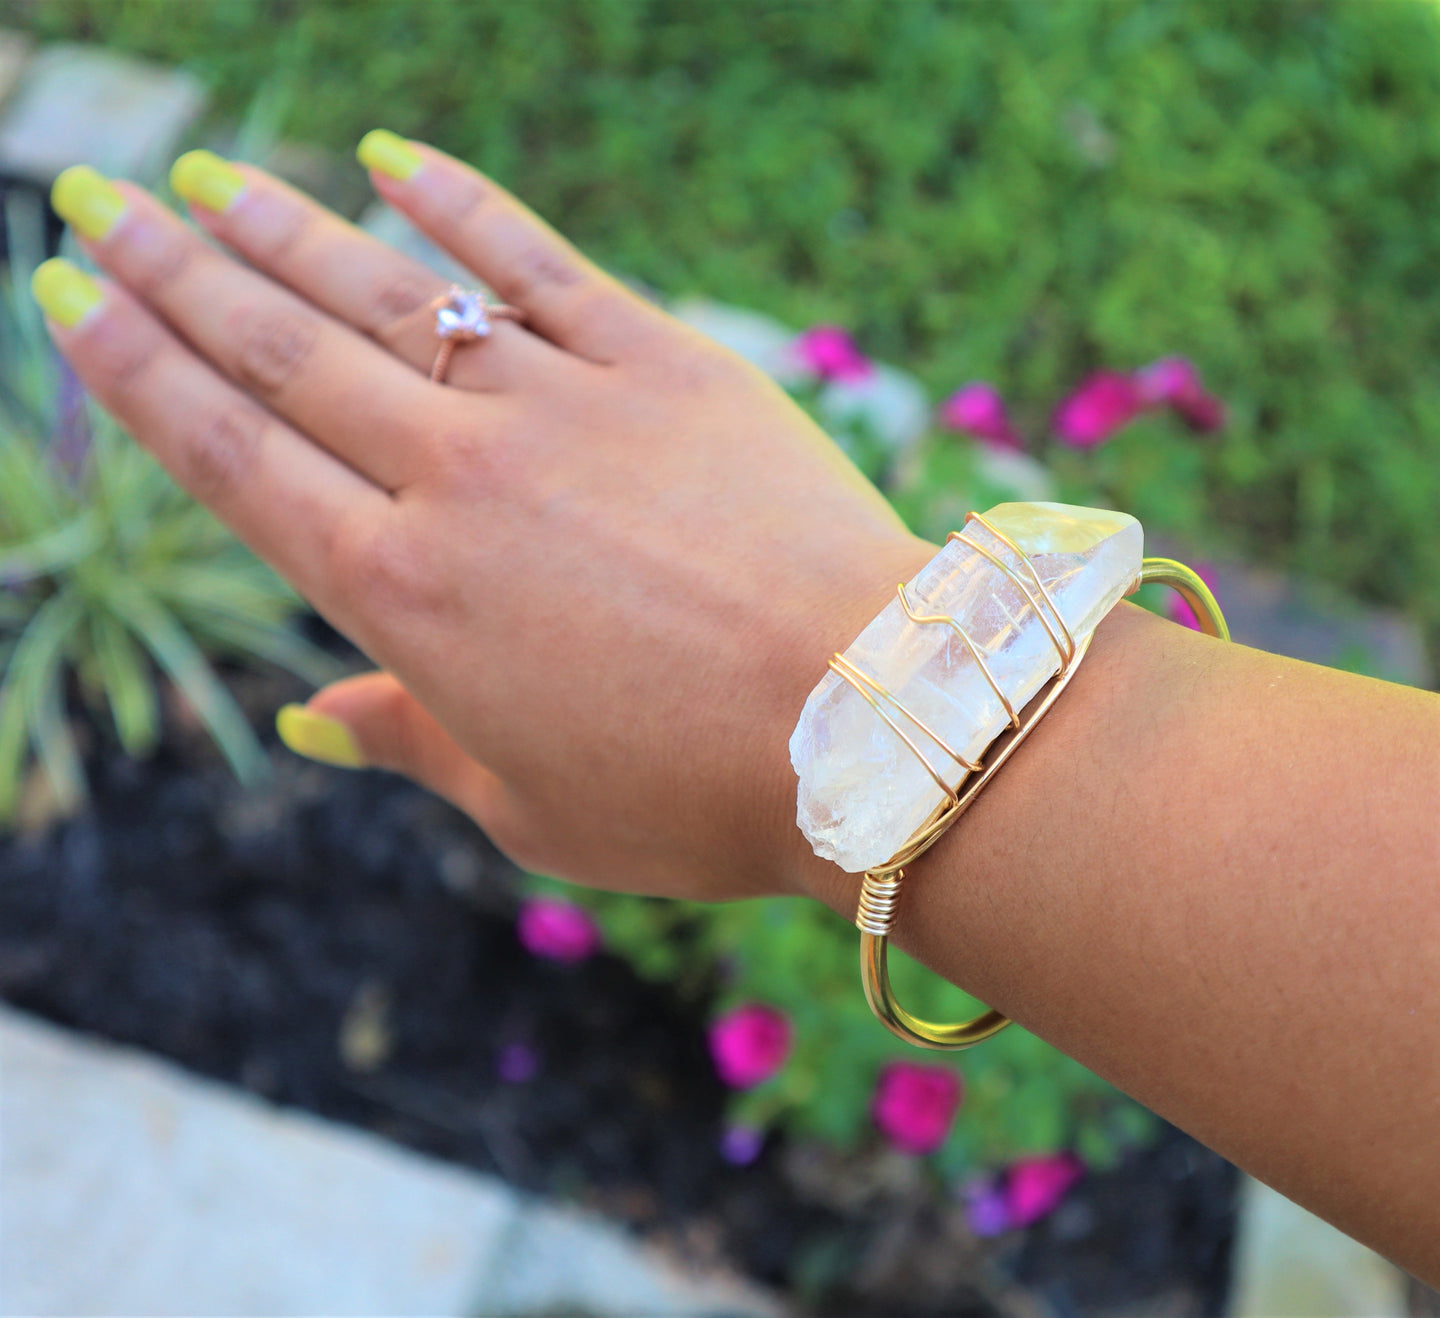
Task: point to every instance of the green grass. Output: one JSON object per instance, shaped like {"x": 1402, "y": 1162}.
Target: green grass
{"x": 1018, "y": 191}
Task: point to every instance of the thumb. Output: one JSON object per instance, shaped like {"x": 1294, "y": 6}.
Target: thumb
{"x": 371, "y": 721}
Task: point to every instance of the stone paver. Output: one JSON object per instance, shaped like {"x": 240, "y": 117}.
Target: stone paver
{"x": 128, "y": 1186}
{"x": 1290, "y": 1264}
{"x": 82, "y": 103}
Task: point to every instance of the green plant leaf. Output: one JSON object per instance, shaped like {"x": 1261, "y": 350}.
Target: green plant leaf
{"x": 31, "y": 704}
{"x": 183, "y": 660}
{"x": 124, "y": 672}
{"x": 52, "y": 551}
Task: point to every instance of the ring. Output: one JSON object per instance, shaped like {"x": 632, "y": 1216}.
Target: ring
{"x": 461, "y": 316}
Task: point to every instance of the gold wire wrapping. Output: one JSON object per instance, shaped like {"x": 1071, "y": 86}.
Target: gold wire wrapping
{"x": 880, "y": 888}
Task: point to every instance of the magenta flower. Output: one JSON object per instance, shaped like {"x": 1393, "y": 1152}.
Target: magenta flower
{"x": 1181, "y": 612}
{"x": 914, "y": 1105}
{"x": 1163, "y": 381}
{"x": 1034, "y": 1187}
{"x": 977, "y": 409}
{"x": 749, "y": 1044}
{"x": 1175, "y": 382}
{"x": 1104, "y": 403}
{"x": 829, "y": 352}
{"x": 557, "y": 930}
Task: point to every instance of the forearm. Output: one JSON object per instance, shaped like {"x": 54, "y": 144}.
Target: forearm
{"x": 1213, "y": 876}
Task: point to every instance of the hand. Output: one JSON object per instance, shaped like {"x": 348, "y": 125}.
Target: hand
{"x": 600, "y": 567}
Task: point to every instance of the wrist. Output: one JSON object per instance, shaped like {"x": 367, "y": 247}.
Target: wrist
{"x": 828, "y": 627}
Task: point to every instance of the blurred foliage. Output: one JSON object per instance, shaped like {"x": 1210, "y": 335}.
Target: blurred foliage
{"x": 108, "y": 570}
{"x": 1011, "y": 190}
{"x": 1021, "y": 1095}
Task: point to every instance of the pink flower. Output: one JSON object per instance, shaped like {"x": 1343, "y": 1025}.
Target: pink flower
{"x": 829, "y": 352}
{"x": 1181, "y": 612}
{"x": 1163, "y": 381}
{"x": 977, "y": 409}
{"x": 1034, "y": 1187}
{"x": 557, "y": 930}
{"x": 749, "y": 1044}
{"x": 1174, "y": 382}
{"x": 914, "y": 1105}
{"x": 1104, "y": 403}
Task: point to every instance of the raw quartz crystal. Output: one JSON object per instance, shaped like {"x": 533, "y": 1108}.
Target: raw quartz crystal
{"x": 863, "y": 793}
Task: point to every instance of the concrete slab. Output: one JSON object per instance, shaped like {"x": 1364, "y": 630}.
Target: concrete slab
{"x": 128, "y": 1186}
{"x": 86, "y": 104}
{"x": 1290, "y": 1264}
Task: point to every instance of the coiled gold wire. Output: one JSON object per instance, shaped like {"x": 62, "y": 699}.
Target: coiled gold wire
{"x": 880, "y": 888}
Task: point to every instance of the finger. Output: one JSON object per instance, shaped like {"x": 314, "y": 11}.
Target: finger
{"x": 331, "y": 382}
{"x": 286, "y": 498}
{"x": 568, "y": 299}
{"x": 345, "y": 271}
{"x": 372, "y": 721}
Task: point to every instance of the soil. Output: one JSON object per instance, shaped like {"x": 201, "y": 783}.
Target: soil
{"x": 344, "y": 943}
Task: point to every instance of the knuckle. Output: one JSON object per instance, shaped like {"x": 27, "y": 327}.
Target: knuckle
{"x": 215, "y": 459}
{"x": 394, "y": 299}
{"x": 481, "y": 467}
{"x": 122, "y": 355}
{"x": 536, "y": 268}
{"x": 290, "y": 223}
{"x": 698, "y": 371}
{"x": 392, "y": 574}
{"x": 157, "y": 266}
{"x": 467, "y": 198}
{"x": 274, "y": 344}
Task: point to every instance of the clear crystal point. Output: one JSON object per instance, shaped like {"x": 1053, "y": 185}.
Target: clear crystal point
{"x": 863, "y": 793}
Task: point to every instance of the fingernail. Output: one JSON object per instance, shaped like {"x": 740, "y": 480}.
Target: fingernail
{"x": 389, "y": 153}
{"x": 85, "y": 199}
{"x": 318, "y": 738}
{"x": 203, "y": 177}
{"x": 65, "y": 292}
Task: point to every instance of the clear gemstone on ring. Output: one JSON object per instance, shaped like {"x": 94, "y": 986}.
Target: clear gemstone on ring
{"x": 462, "y": 316}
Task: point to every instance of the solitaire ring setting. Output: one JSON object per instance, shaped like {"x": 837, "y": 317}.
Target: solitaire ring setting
{"x": 462, "y": 315}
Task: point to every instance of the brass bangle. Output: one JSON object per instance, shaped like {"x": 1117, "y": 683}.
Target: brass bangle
{"x": 880, "y": 889}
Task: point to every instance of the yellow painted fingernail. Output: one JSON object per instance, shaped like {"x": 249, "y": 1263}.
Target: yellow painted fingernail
{"x": 85, "y": 199}
{"x": 203, "y": 177}
{"x": 318, "y": 737}
{"x": 389, "y": 153}
{"x": 65, "y": 292}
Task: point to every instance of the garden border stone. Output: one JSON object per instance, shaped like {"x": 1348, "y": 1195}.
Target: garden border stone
{"x": 131, "y": 1186}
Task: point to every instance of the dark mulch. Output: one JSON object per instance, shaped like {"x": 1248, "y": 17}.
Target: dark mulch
{"x": 344, "y": 943}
